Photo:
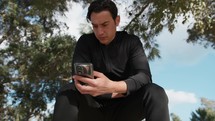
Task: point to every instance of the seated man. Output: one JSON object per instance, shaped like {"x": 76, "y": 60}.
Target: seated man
{"x": 122, "y": 88}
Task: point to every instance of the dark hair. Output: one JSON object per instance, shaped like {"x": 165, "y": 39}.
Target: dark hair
{"x": 102, "y": 5}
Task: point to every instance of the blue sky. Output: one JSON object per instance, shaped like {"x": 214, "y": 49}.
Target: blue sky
{"x": 185, "y": 70}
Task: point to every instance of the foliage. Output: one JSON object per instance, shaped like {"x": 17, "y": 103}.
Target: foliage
{"x": 204, "y": 26}
{"x": 28, "y": 19}
{"x": 208, "y": 103}
{"x": 34, "y": 61}
{"x": 37, "y": 73}
{"x": 202, "y": 114}
{"x": 175, "y": 117}
{"x": 148, "y": 19}
{"x": 205, "y": 113}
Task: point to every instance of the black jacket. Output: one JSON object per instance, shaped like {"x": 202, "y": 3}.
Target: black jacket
{"x": 123, "y": 59}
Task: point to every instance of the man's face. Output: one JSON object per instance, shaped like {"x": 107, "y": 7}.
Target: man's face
{"x": 104, "y": 26}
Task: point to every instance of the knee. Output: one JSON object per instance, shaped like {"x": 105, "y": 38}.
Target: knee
{"x": 66, "y": 91}
{"x": 69, "y": 86}
{"x": 155, "y": 92}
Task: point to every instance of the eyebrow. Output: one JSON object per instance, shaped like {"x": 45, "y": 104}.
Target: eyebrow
{"x": 101, "y": 23}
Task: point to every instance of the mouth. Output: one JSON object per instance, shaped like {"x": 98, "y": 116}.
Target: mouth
{"x": 102, "y": 38}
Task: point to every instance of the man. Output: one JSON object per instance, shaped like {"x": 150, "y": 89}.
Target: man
{"x": 122, "y": 88}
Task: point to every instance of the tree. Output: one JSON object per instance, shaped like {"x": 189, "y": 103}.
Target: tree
{"x": 35, "y": 58}
{"x": 41, "y": 69}
{"x": 175, "y": 117}
{"x": 205, "y": 113}
{"x": 149, "y": 18}
{"x": 204, "y": 26}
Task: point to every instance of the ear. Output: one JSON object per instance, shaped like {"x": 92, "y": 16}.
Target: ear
{"x": 117, "y": 20}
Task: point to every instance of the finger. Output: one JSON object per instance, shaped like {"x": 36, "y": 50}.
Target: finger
{"x": 76, "y": 77}
{"x": 78, "y": 85}
{"x": 97, "y": 74}
{"x": 85, "y": 80}
{"x": 84, "y": 89}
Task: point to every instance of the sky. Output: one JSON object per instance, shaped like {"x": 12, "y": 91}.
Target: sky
{"x": 184, "y": 70}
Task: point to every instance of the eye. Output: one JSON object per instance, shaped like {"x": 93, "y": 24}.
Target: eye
{"x": 105, "y": 24}
{"x": 94, "y": 26}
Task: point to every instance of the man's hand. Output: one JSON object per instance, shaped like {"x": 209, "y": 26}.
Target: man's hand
{"x": 100, "y": 85}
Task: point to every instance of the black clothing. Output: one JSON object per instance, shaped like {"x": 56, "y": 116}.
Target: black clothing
{"x": 122, "y": 59}
{"x": 149, "y": 102}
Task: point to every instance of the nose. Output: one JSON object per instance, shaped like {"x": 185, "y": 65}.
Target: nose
{"x": 100, "y": 31}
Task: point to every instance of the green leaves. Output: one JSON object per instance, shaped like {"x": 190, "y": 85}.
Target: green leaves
{"x": 36, "y": 72}
{"x": 206, "y": 112}
{"x": 34, "y": 63}
{"x": 29, "y": 18}
{"x": 149, "y": 18}
{"x": 175, "y": 117}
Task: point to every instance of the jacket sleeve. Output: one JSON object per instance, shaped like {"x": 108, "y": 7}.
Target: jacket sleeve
{"x": 139, "y": 66}
{"x": 81, "y": 53}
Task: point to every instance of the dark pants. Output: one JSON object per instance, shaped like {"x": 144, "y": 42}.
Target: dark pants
{"x": 150, "y": 102}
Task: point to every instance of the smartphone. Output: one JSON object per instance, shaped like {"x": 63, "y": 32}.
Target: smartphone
{"x": 84, "y": 69}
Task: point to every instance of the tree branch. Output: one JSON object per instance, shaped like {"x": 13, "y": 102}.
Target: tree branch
{"x": 136, "y": 16}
